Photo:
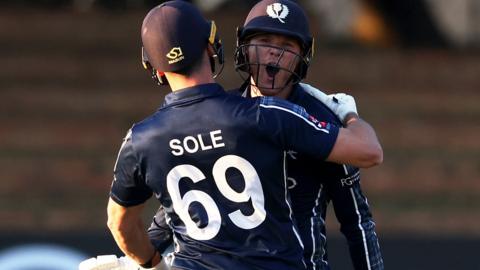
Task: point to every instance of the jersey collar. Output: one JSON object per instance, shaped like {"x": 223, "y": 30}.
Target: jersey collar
{"x": 193, "y": 93}
{"x": 295, "y": 94}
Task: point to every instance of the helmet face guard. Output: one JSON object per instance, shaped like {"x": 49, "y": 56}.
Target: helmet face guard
{"x": 283, "y": 67}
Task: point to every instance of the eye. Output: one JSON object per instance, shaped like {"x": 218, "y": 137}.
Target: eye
{"x": 290, "y": 44}
{"x": 263, "y": 40}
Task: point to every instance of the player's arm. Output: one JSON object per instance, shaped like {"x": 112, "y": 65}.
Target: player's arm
{"x": 356, "y": 144}
{"x": 160, "y": 237}
{"x": 127, "y": 228}
{"x": 294, "y": 128}
{"x": 128, "y": 194}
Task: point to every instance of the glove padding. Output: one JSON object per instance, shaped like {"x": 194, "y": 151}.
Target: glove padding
{"x": 111, "y": 262}
{"x": 341, "y": 104}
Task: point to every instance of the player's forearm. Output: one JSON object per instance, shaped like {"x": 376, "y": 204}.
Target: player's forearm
{"x": 133, "y": 243}
{"x": 129, "y": 232}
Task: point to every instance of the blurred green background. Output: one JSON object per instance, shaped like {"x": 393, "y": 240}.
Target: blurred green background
{"x": 72, "y": 84}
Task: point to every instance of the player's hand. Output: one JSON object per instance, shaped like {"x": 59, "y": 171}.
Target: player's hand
{"x": 111, "y": 262}
{"x": 341, "y": 104}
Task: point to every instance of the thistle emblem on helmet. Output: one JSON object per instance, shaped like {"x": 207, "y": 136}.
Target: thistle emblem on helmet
{"x": 277, "y": 11}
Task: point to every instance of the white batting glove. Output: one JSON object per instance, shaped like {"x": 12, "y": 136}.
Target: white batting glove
{"x": 341, "y": 104}
{"x": 111, "y": 262}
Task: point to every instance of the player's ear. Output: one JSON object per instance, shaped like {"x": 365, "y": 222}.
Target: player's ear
{"x": 216, "y": 43}
{"x": 157, "y": 76}
{"x": 161, "y": 78}
{"x": 215, "y": 50}
{"x": 160, "y": 73}
{"x": 210, "y": 50}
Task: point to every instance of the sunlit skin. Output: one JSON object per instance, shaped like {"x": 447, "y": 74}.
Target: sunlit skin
{"x": 266, "y": 84}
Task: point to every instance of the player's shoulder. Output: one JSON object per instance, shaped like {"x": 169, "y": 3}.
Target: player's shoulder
{"x": 236, "y": 97}
{"x": 235, "y": 91}
{"x": 302, "y": 95}
{"x": 141, "y": 132}
{"x": 144, "y": 124}
{"x": 280, "y": 104}
{"x": 314, "y": 106}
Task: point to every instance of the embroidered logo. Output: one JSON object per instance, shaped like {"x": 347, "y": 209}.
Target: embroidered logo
{"x": 277, "y": 11}
{"x": 175, "y": 55}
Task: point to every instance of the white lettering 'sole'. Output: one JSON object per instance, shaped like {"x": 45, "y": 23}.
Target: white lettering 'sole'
{"x": 192, "y": 144}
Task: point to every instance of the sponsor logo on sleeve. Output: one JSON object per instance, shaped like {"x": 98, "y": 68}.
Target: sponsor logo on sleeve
{"x": 321, "y": 124}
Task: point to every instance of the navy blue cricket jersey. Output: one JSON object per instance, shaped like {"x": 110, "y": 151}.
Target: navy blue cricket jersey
{"x": 313, "y": 183}
{"x": 308, "y": 177}
{"x": 216, "y": 162}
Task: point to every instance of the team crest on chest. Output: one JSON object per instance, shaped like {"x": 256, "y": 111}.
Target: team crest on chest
{"x": 277, "y": 11}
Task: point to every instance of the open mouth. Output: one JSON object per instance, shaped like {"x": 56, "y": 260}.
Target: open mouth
{"x": 272, "y": 70}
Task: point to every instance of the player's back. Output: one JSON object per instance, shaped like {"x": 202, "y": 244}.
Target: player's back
{"x": 221, "y": 181}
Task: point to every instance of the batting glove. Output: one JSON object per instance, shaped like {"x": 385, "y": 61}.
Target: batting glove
{"x": 111, "y": 262}
{"x": 341, "y": 104}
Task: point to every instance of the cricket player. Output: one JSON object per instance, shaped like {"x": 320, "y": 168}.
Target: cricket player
{"x": 274, "y": 50}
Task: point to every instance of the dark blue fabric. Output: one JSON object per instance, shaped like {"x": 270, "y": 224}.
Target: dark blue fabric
{"x": 228, "y": 144}
{"x": 318, "y": 183}
{"x": 313, "y": 184}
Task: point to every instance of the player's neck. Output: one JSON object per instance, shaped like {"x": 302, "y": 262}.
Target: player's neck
{"x": 202, "y": 75}
{"x": 178, "y": 81}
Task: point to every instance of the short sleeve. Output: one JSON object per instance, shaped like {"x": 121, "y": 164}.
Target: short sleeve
{"x": 291, "y": 127}
{"x": 128, "y": 186}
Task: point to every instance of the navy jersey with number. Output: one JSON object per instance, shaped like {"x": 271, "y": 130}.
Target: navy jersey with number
{"x": 216, "y": 162}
